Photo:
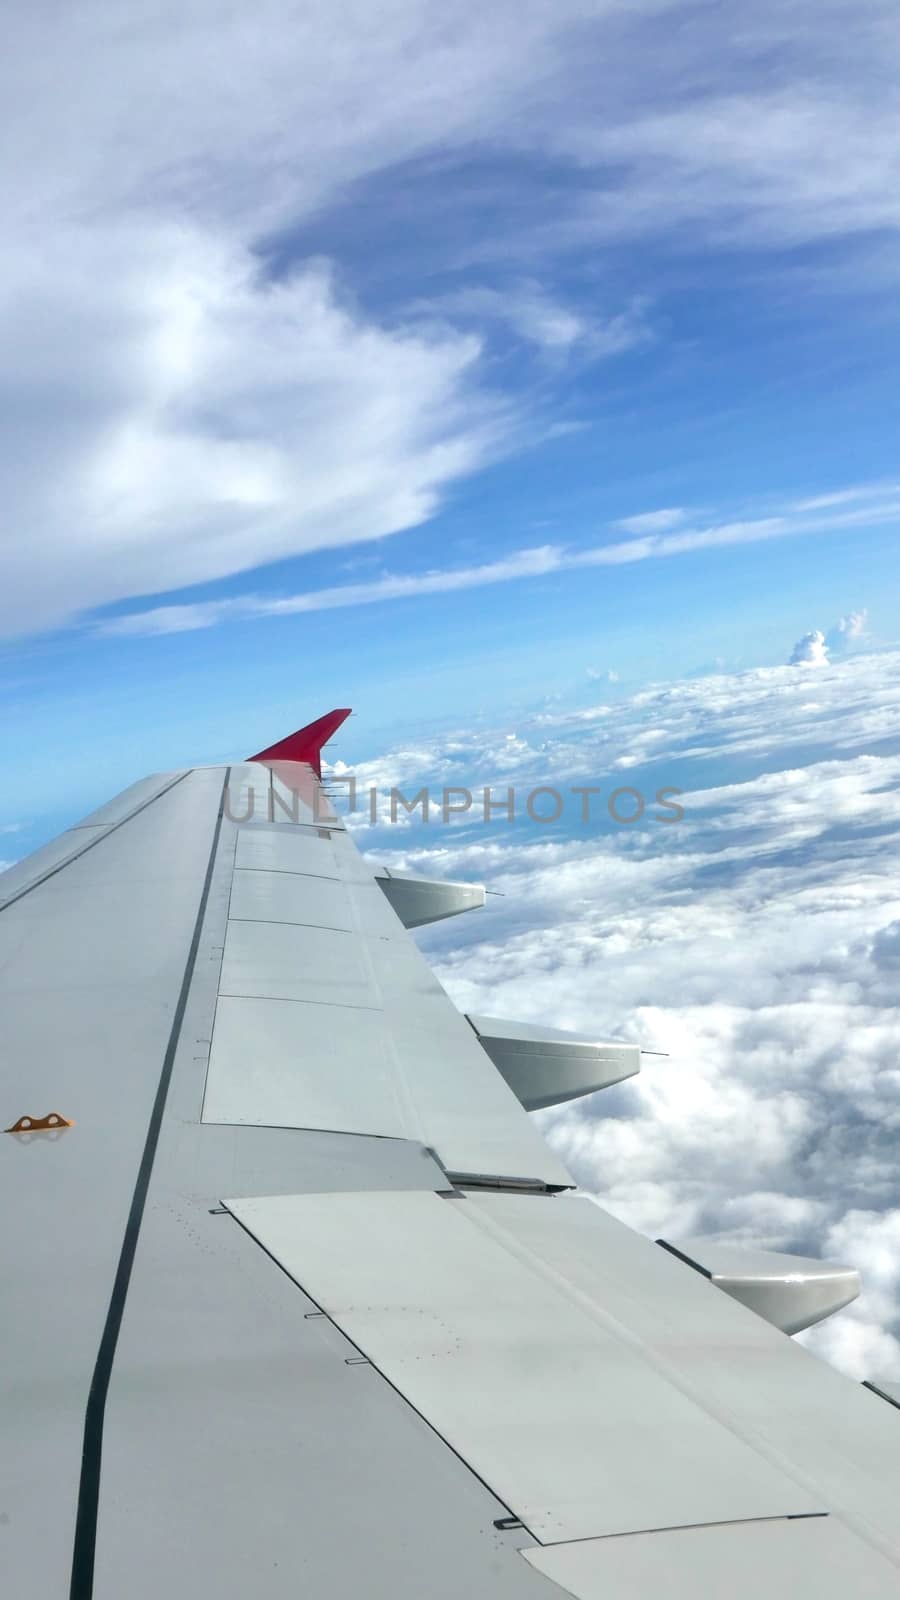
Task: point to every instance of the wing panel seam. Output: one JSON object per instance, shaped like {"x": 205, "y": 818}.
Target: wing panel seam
{"x": 85, "y": 1544}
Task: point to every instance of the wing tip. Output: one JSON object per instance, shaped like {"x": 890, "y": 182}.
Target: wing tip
{"x": 306, "y": 743}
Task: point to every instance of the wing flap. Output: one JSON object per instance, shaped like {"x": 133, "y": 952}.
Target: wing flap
{"x": 781, "y": 1560}
{"x": 570, "y": 1419}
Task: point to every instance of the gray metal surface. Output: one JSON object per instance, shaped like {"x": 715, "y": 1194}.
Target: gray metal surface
{"x": 301, "y": 849}
{"x": 259, "y": 896}
{"x": 287, "y": 961}
{"x": 211, "y": 1159}
{"x": 131, "y": 800}
{"x": 286, "y": 794}
{"x": 417, "y": 1073}
{"x": 91, "y": 963}
{"x": 791, "y": 1292}
{"x": 281, "y": 1064}
{"x": 324, "y": 852}
{"x": 554, "y": 1404}
{"x": 31, "y": 869}
{"x": 329, "y": 1017}
{"x": 297, "y": 796}
{"x": 828, "y": 1432}
{"x": 419, "y": 901}
{"x": 547, "y": 1066}
{"x": 886, "y": 1388}
{"x": 242, "y": 1455}
{"x": 82, "y": 835}
{"x": 312, "y": 901}
{"x": 777, "y": 1560}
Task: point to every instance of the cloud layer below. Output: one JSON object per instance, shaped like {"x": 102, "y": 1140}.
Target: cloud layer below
{"x": 757, "y": 942}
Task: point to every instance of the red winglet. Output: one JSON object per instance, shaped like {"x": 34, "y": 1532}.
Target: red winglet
{"x": 306, "y": 744}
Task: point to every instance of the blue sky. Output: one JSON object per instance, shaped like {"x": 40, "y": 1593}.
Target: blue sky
{"x": 323, "y": 332}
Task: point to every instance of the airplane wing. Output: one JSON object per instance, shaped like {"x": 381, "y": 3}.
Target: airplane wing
{"x": 298, "y": 1302}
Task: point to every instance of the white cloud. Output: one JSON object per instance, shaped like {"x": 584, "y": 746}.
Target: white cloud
{"x": 653, "y": 521}
{"x": 765, "y": 165}
{"x": 225, "y": 421}
{"x": 172, "y": 415}
{"x": 810, "y": 651}
{"x": 848, "y": 631}
{"x": 841, "y": 497}
{"x": 765, "y": 715}
{"x": 755, "y": 942}
{"x": 814, "y": 648}
{"x": 529, "y": 562}
{"x": 206, "y": 614}
{"x": 542, "y": 319}
{"x": 862, "y": 1344}
{"x": 533, "y": 314}
{"x": 264, "y": 117}
{"x": 886, "y": 946}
